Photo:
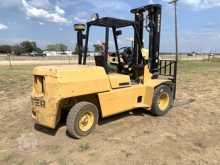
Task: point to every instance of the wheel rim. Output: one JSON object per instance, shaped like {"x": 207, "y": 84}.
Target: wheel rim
{"x": 86, "y": 121}
{"x": 164, "y": 100}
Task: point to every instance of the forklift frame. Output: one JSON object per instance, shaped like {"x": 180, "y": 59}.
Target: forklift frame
{"x": 156, "y": 66}
{"x": 89, "y": 93}
{"x": 114, "y": 24}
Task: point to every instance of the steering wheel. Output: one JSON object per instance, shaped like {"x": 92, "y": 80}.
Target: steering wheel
{"x": 126, "y": 56}
{"x": 124, "y": 48}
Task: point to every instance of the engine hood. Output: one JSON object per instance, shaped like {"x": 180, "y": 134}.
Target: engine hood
{"x": 67, "y": 70}
{"x": 68, "y": 81}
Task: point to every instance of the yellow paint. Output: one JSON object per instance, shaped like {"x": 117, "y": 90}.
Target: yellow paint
{"x": 62, "y": 82}
{"x": 119, "y": 80}
{"x": 120, "y": 100}
{"x": 164, "y": 100}
{"x": 69, "y": 81}
{"x": 116, "y": 94}
{"x": 147, "y": 75}
{"x": 86, "y": 121}
{"x": 145, "y": 53}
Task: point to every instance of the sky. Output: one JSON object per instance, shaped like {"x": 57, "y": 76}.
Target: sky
{"x": 51, "y": 21}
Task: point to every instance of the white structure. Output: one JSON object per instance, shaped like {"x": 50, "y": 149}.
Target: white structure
{"x": 55, "y": 53}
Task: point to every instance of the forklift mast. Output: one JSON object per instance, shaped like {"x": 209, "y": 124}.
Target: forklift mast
{"x": 139, "y": 23}
{"x": 153, "y": 27}
{"x": 80, "y": 28}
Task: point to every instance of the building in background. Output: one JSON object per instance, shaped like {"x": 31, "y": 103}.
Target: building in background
{"x": 58, "y": 53}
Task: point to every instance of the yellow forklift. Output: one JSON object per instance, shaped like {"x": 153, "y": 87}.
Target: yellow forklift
{"x": 137, "y": 79}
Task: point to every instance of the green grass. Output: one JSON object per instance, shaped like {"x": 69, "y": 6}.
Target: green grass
{"x": 10, "y": 158}
{"x": 41, "y": 162}
{"x": 17, "y": 81}
{"x": 84, "y": 147}
{"x": 204, "y": 66}
{"x": 5, "y": 156}
{"x": 54, "y": 149}
{"x": 189, "y": 71}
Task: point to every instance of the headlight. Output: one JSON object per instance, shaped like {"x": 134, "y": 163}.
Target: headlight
{"x": 79, "y": 27}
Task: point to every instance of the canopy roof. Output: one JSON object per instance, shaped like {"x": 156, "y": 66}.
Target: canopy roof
{"x": 111, "y": 22}
{"x": 144, "y": 8}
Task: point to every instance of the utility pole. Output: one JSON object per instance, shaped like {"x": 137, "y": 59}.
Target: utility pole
{"x": 174, "y": 2}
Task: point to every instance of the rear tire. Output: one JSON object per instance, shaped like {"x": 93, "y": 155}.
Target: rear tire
{"x": 162, "y": 101}
{"x": 82, "y": 119}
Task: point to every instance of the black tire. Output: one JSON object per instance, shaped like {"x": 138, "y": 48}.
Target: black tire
{"x": 160, "y": 92}
{"x": 76, "y": 114}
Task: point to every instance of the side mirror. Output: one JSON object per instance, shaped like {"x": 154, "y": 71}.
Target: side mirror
{"x": 118, "y": 33}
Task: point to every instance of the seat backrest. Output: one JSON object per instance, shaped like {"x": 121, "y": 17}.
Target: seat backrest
{"x": 100, "y": 61}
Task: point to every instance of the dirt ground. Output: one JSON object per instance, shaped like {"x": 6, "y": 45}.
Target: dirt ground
{"x": 189, "y": 134}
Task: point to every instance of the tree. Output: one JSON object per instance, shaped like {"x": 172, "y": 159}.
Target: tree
{"x": 39, "y": 50}
{"x": 98, "y": 48}
{"x": 51, "y": 47}
{"x": 18, "y": 50}
{"x": 76, "y": 50}
{"x": 23, "y": 47}
{"x": 29, "y": 46}
{"x": 57, "y": 47}
{"x": 26, "y": 47}
{"x": 5, "y": 49}
{"x": 62, "y": 47}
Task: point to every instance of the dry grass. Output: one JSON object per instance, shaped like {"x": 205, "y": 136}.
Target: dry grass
{"x": 18, "y": 79}
{"x": 190, "y": 134}
{"x": 15, "y": 80}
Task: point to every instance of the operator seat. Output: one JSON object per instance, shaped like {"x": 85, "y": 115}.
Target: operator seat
{"x": 100, "y": 61}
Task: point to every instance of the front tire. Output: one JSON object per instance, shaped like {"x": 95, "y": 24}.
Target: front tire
{"x": 162, "y": 101}
{"x": 82, "y": 119}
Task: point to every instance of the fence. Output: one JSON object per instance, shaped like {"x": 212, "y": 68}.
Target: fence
{"x": 27, "y": 60}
